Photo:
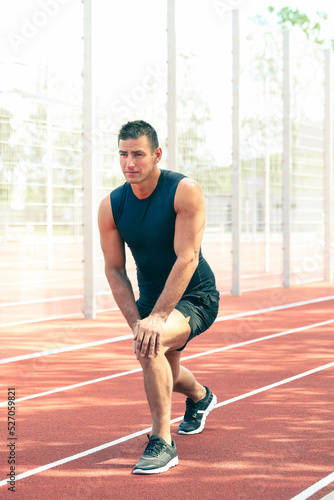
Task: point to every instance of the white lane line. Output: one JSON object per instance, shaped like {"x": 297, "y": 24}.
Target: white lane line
{"x": 38, "y": 301}
{"x": 276, "y": 384}
{"x": 276, "y": 308}
{"x": 78, "y": 455}
{"x": 127, "y": 337}
{"x": 260, "y": 339}
{"x": 185, "y": 358}
{"x": 315, "y": 488}
{"x": 64, "y": 349}
{"x": 39, "y": 320}
{"x": 144, "y": 431}
{"x": 73, "y": 386}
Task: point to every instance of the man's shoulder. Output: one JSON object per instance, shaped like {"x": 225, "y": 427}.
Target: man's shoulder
{"x": 172, "y": 175}
{"x": 172, "y": 179}
{"x": 117, "y": 194}
{"x": 118, "y": 190}
{"x": 117, "y": 197}
{"x": 189, "y": 194}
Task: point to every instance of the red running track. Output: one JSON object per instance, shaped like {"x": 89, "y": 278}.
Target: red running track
{"x": 269, "y": 359}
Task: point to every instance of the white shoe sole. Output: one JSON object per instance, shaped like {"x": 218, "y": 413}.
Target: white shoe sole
{"x": 206, "y": 413}
{"x": 170, "y": 464}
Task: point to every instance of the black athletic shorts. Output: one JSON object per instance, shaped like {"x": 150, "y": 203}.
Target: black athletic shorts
{"x": 201, "y": 306}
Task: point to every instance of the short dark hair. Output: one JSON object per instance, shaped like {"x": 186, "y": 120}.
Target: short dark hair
{"x": 136, "y": 129}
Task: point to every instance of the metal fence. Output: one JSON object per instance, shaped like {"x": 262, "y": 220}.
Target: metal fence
{"x": 307, "y": 169}
{"x": 269, "y": 205}
{"x": 41, "y": 195}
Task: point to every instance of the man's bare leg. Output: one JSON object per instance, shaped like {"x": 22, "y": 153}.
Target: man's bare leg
{"x": 158, "y": 375}
{"x": 184, "y": 381}
{"x": 201, "y": 400}
{"x": 158, "y": 382}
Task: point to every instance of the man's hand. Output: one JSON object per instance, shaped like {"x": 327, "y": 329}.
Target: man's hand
{"x": 147, "y": 335}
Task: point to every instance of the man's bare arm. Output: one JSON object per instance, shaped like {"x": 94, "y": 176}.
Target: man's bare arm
{"x": 114, "y": 256}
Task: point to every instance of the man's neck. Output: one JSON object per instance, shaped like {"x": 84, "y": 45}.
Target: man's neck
{"x": 144, "y": 189}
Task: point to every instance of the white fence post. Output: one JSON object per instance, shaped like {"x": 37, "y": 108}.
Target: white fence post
{"x": 267, "y": 183}
{"x": 287, "y": 148}
{"x": 49, "y": 186}
{"x": 88, "y": 163}
{"x": 328, "y": 159}
{"x": 236, "y": 168}
{"x": 171, "y": 88}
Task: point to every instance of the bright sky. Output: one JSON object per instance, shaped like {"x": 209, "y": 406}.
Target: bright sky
{"x": 128, "y": 33}
{"x": 130, "y": 38}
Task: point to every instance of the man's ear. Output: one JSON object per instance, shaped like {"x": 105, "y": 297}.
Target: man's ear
{"x": 157, "y": 155}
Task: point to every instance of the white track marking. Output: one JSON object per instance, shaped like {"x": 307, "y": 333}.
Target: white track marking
{"x": 315, "y": 487}
{"x": 73, "y": 386}
{"x": 78, "y": 455}
{"x": 276, "y": 308}
{"x": 127, "y": 337}
{"x": 130, "y": 372}
{"x": 64, "y": 349}
{"x": 260, "y": 339}
{"x": 276, "y": 384}
{"x": 144, "y": 431}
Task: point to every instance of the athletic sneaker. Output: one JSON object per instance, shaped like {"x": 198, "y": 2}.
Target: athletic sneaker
{"x": 196, "y": 413}
{"x": 158, "y": 457}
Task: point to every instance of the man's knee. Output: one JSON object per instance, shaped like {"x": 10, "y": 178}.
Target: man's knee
{"x": 149, "y": 363}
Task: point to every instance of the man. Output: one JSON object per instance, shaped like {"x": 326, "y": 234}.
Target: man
{"x": 160, "y": 215}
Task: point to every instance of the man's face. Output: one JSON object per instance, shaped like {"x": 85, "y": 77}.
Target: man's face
{"x": 137, "y": 160}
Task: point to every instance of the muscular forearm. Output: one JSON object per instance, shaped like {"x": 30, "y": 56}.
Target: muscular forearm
{"x": 123, "y": 294}
{"x": 177, "y": 282}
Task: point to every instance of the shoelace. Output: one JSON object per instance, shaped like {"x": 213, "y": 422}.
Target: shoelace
{"x": 191, "y": 410}
{"x": 154, "y": 447}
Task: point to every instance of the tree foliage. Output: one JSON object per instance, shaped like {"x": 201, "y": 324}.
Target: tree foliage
{"x": 312, "y": 28}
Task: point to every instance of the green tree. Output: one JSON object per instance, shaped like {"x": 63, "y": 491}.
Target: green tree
{"x": 312, "y": 28}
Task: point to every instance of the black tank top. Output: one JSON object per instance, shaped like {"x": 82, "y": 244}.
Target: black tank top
{"x": 147, "y": 226}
